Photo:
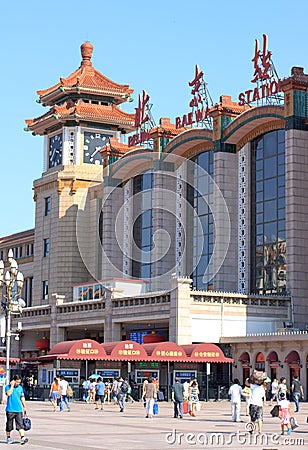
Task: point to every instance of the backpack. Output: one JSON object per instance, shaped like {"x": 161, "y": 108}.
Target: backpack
{"x": 124, "y": 387}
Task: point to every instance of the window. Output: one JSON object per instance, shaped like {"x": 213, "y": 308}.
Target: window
{"x": 17, "y": 252}
{"x": 143, "y": 226}
{"x": 45, "y": 289}
{"x": 29, "y": 249}
{"x": 201, "y": 238}
{"x": 268, "y": 214}
{"x": 27, "y": 290}
{"x": 46, "y": 247}
{"x": 47, "y": 206}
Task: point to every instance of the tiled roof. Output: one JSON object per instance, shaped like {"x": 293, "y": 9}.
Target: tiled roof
{"x": 82, "y": 111}
{"x": 166, "y": 128}
{"x": 116, "y": 148}
{"x": 86, "y": 79}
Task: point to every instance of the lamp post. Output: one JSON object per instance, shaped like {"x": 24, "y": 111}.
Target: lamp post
{"x": 11, "y": 283}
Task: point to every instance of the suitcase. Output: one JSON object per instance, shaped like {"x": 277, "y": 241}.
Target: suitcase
{"x": 185, "y": 407}
{"x": 155, "y": 408}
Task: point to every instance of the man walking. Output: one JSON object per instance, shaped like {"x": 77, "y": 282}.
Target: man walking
{"x": 15, "y": 408}
{"x": 297, "y": 392}
{"x": 235, "y": 393}
{"x": 63, "y": 394}
{"x": 178, "y": 398}
{"x": 123, "y": 390}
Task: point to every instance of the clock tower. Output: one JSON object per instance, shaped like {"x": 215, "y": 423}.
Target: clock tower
{"x": 82, "y": 115}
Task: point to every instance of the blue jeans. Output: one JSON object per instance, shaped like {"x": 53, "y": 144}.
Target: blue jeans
{"x": 64, "y": 399}
{"x": 121, "y": 400}
{"x": 296, "y": 397}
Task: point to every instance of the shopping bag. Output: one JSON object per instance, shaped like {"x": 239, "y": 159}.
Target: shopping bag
{"x": 185, "y": 407}
{"x": 155, "y": 408}
{"x": 26, "y": 423}
{"x": 161, "y": 396}
{"x": 275, "y": 411}
{"x": 293, "y": 423}
{"x": 198, "y": 406}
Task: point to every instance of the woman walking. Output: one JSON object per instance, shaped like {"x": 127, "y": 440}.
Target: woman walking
{"x": 149, "y": 394}
{"x": 193, "y": 398}
{"x": 54, "y": 393}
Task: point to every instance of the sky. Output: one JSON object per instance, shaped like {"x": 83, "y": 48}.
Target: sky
{"x": 148, "y": 45}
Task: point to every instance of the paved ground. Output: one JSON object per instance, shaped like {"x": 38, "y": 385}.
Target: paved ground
{"x": 87, "y": 429}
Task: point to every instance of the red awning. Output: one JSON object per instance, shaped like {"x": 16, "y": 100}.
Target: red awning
{"x": 12, "y": 360}
{"x": 83, "y": 349}
{"x": 292, "y": 358}
{"x": 165, "y": 351}
{"x": 205, "y": 352}
{"x": 124, "y": 351}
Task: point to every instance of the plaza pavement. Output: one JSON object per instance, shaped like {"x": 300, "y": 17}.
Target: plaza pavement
{"x": 87, "y": 429}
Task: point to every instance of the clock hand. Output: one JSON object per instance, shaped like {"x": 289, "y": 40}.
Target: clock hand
{"x": 96, "y": 150}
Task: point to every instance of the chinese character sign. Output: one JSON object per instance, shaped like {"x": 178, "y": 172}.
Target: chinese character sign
{"x": 196, "y": 83}
{"x": 261, "y": 73}
{"x": 141, "y": 116}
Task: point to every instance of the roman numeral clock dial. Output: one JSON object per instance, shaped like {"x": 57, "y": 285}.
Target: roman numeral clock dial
{"x": 55, "y": 150}
{"x": 92, "y": 144}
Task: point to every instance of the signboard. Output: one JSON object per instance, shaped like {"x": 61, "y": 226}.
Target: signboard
{"x": 86, "y": 349}
{"x": 44, "y": 376}
{"x": 72, "y": 376}
{"x": 137, "y": 336}
{"x": 142, "y": 116}
{"x": 184, "y": 375}
{"x": 128, "y": 350}
{"x": 199, "y": 103}
{"x": 265, "y": 76}
{"x": 68, "y": 373}
{"x": 108, "y": 373}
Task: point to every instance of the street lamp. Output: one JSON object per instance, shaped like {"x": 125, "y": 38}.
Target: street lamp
{"x": 11, "y": 283}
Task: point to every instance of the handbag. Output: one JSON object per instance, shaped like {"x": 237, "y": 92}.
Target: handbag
{"x": 26, "y": 423}
{"x": 275, "y": 411}
{"x": 185, "y": 407}
{"x": 293, "y": 423}
{"x": 155, "y": 408}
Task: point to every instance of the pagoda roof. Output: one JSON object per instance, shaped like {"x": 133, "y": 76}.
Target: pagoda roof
{"x": 85, "y": 112}
{"x": 85, "y": 80}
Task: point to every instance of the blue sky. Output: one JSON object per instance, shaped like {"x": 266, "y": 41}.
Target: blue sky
{"x": 148, "y": 45}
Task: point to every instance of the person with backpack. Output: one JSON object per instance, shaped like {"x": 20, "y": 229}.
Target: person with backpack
{"x": 123, "y": 390}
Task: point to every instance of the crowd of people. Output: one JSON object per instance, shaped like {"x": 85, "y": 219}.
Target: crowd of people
{"x": 185, "y": 398}
{"x": 255, "y": 394}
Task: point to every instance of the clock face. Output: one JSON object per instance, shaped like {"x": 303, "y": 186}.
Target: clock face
{"x": 92, "y": 144}
{"x": 55, "y": 150}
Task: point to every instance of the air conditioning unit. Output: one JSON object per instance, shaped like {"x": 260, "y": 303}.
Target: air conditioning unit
{"x": 288, "y": 324}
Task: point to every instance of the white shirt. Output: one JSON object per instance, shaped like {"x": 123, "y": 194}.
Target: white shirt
{"x": 257, "y": 395}
{"x": 274, "y": 386}
{"x": 63, "y": 385}
{"x": 235, "y": 391}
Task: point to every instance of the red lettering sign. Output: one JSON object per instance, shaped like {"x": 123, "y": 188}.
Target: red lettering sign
{"x": 265, "y": 56}
{"x": 140, "y": 115}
